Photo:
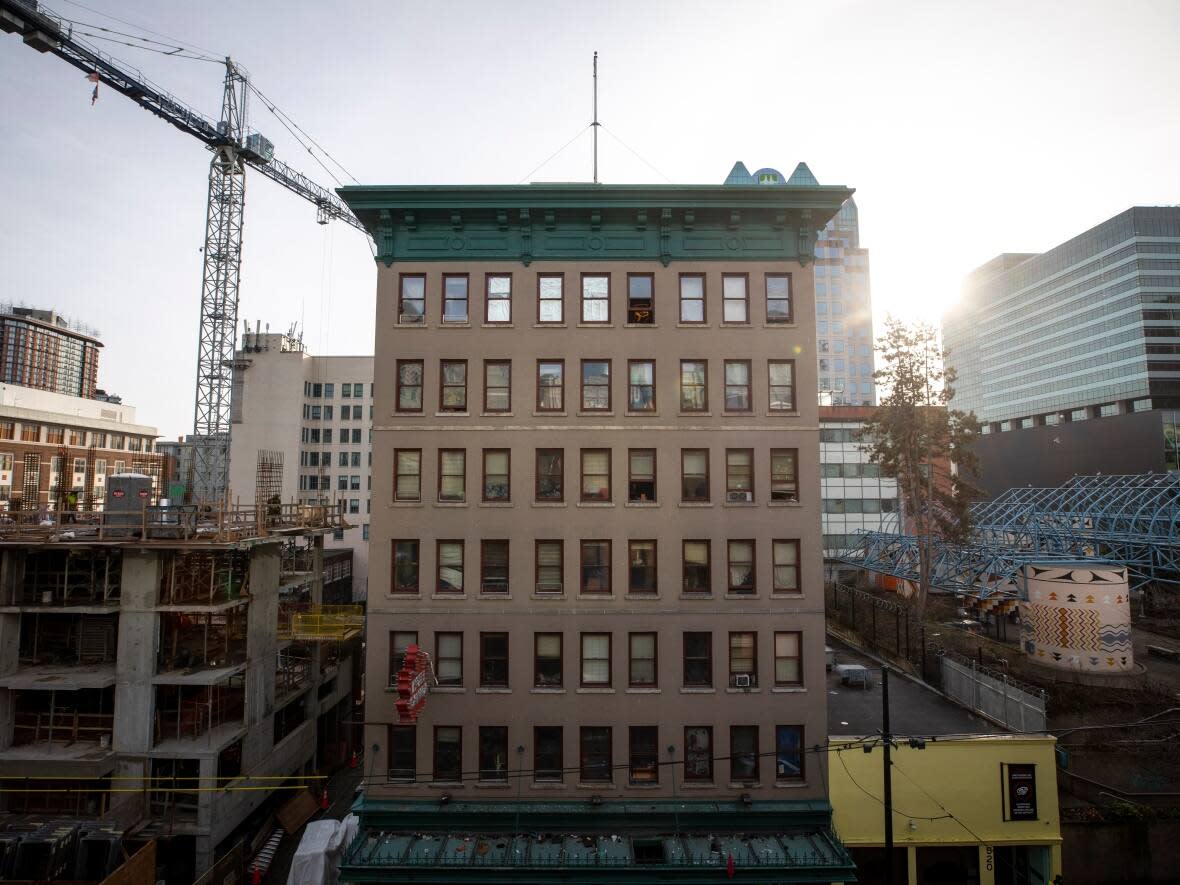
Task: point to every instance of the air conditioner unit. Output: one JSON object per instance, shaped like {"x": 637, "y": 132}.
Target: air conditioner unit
{"x": 411, "y": 319}
{"x": 454, "y": 319}
{"x": 743, "y": 497}
{"x": 496, "y": 586}
{"x": 742, "y": 680}
{"x": 551, "y": 587}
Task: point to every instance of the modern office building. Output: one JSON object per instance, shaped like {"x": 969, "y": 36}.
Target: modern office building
{"x": 856, "y": 497}
{"x": 1085, "y": 332}
{"x": 45, "y": 351}
{"x": 300, "y": 428}
{"x": 596, "y": 508}
{"x": 843, "y": 302}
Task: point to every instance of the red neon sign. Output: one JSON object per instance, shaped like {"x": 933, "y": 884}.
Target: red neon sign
{"x": 413, "y": 684}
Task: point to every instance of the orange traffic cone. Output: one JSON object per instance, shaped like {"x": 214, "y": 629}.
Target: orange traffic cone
{"x": 352, "y": 762}
{"x": 256, "y": 876}
{"x": 324, "y": 799}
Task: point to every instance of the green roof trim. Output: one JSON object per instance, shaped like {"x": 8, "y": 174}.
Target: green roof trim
{"x": 666, "y": 841}
{"x": 540, "y": 222}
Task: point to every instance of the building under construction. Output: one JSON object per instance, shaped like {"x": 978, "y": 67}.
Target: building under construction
{"x": 169, "y": 671}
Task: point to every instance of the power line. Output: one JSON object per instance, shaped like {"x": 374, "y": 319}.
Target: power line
{"x": 881, "y": 801}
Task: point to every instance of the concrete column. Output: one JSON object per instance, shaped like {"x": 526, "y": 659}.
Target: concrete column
{"x": 262, "y": 618}
{"x": 11, "y": 577}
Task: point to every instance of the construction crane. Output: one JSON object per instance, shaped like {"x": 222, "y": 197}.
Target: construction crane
{"x": 234, "y": 149}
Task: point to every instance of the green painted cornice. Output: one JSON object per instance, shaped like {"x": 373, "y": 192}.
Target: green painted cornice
{"x": 555, "y": 222}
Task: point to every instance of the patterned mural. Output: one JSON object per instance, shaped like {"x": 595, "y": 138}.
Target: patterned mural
{"x": 1077, "y": 618}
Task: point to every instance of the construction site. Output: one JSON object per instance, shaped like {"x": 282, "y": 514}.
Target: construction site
{"x": 168, "y": 674}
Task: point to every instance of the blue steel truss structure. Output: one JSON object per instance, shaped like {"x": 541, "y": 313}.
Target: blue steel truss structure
{"x": 1126, "y": 520}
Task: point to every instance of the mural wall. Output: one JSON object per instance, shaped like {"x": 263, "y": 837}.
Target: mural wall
{"x": 1077, "y": 617}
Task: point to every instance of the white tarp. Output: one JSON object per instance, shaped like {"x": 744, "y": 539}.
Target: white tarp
{"x": 317, "y": 859}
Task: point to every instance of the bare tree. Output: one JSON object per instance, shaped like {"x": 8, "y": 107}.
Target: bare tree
{"x": 916, "y": 437}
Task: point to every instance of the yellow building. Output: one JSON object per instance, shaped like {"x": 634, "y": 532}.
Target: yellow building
{"x": 976, "y": 811}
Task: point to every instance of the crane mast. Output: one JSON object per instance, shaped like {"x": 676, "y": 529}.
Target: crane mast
{"x": 233, "y": 151}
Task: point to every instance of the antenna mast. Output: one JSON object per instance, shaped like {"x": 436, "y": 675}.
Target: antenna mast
{"x": 595, "y": 124}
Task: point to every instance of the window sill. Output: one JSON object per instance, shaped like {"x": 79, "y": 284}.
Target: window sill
{"x": 683, "y": 414}
{"x": 696, "y": 595}
{"x": 593, "y": 504}
{"x": 491, "y": 785}
{"x": 641, "y": 325}
{"x": 786, "y": 594}
{"x": 455, "y": 414}
{"x": 641, "y": 787}
{"x": 594, "y": 691}
{"x": 745, "y": 785}
{"x": 550, "y": 414}
{"x": 448, "y": 595}
{"x": 644, "y": 691}
{"x": 790, "y": 785}
{"x": 596, "y": 596}
{"x": 465, "y": 324}
{"x": 547, "y": 691}
{"x": 550, "y": 325}
{"x": 642, "y": 504}
{"x": 446, "y": 689}
{"x": 782, "y": 413}
{"x": 489, "y": 690}
{"x": 451, "y": 504}
{"x": 548, "y": 785}
{"x": 698, "y": 785}
{"x": 496, "y": 415}
{"x": 556, "y": 596}
{"x": 692, "y": 504}
{"x": 508, "y": 325}
{"x": 698, "y": 690}
{"x": 598, "y": 785}
{"x": 445, "y": 785}
{"x": 645, "y": 413}
{"x": 595, "y": 325}
{"x": 411, "y": 325}
{"x": 789, "y": 325}
{"x": 544, "y": 504}
{"x": 403, "y": 783}
{"x": 788, "y": 689}
{"x": 410, "y": 504}
{"x": 692, "y": 325}
{"x": 496, "y": 504}
{"x": 595, "y": 413}
{"x": 494, "y": 596}
{"x": 739, "y": 504}
{"x": 403, "y": 596}
{"x": 644, "y": 597}
{"x": 745, "y": 324}
{"x": 740, "y": 596}
{"x": 795, "y": 504}
{"x": 743, "y": 691}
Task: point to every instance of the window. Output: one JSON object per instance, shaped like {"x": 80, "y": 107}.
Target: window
{"x": 547, "y": 755}
{"x": 450, "y": 567}
{"x": 641, "y": 298}
{"x": 55, "y": 434}
{"x": 411, "y": 308}
{"x": 596, "y": 567}
{"x": 784, "y": 481}
{"x": 452, "y": 475}
{"x": 595, "y": 474}
{"x": 402, "y": 756}
{"x": 452, "y": 395}
{"x": 550, "y": 475}
{"x": 692, "y": 298}
{"x": 737, "y": 385}
{"x": 741, "y": 566}
{"x": 454, "y": 298}
{"x": 788, "y": 658}
{"x": 735, "y": 294}
{"x": 788, "y": 752}
{"x": 550, "y": 385}
{"x": 743, "y": 660}
{"x": 595, "y": 298}
{"x": 697, "y": 576}
{"x": 493, "y": 752}
{"x": 448, "y": 658}
{"x": 778, "y": 298}
{"x": 496, "y": 474}
{"x": 550, "y": 566}
{"x": 77, "y": 436}
{"x": 694, "y": 395}
{"x": 407, "y": 475}
{"x": 595, "y": 752}
{"x": 641, "y": 567}
{"x": 497, "y": 385}
{"x": 782, "y": 385}
{"x": 641, "y": 475}
{"x": 493, "y": 660}
{"x": 786, "y": 567}
{"x": 547, "y": 667}
{"x": 409, "y": 385}
{"x": 641, "y": 386}
{"x": 643, "y": 758}
{"x": 498, "y": 308}
{"x": 493, "y": 567}
{"x": 399, "y": 642}
{"x": 698, "y": 753}
{"x": 596, "y": 385}
{"x": 8, "y": 431}
{"x": 405, "y": 566}
{"x": 596, "y": 659}
{"x": 694, "y": 475}
{"x": 641, "y": 662}
{"x": 698, "y": 660}
{"x": 550, "y": 301}
{"x": 739, "y": 475}
{"x": 448, "y": 753}
{"x": 743, "y": 753}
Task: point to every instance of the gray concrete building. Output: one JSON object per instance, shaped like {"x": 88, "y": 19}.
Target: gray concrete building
{"x": 155, "y": 675}
{"x": 596, "y": 495}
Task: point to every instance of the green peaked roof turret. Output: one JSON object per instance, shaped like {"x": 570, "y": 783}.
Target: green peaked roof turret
{"x": 802, "y": 177}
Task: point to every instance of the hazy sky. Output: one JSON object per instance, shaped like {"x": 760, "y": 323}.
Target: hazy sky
{"x": 967, "y": 129}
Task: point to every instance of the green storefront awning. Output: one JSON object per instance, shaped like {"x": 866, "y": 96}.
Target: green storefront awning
{"x": 595, "y": 841}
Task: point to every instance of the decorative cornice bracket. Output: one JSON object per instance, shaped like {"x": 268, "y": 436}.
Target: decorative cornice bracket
{"x": 385, "y": 237}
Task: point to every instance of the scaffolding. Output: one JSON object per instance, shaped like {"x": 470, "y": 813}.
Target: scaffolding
{"x": 268, "y": 478}
{"x": 205, "y": 577}
{"x": 191, "y": 711}
{"x": 57, "y": 638}
{"x": 68, "y": 577}
{"x": 308, "y": 622}
{"x": 199, "y": 641}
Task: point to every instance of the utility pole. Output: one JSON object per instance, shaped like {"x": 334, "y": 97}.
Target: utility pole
{"x": 888, "y": 739}
{"x": 595, "y": 124}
